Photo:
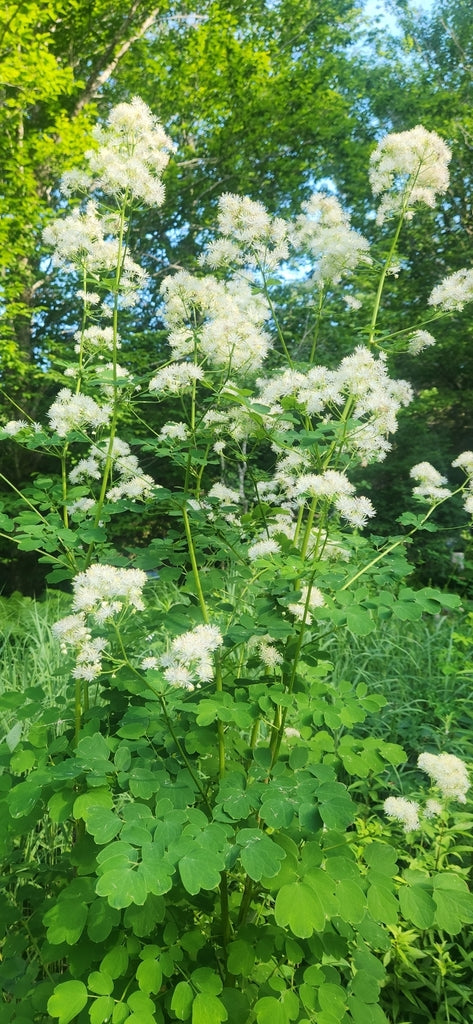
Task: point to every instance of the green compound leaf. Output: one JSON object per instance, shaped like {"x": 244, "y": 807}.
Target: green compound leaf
{"x": 333, "y": 1000}
{"x": 182, "y": 998}
{"x": 365, "y": 987}
{"x": 453, "y": 901}
{"x": 140, "y": 1003}
{"x": 120, "y": 1013}
{"x": 270, "y": 1011}
{"x": 352, "y": 900}
{"x": 115, "y": 962}
{"x": 201, "y": 869}
{"x": 67, "y": 1001}
{"x": 23, "y": 797}
{"x": 99, "y": 797}
{"x": 101, "y": 1010}
{"x": 241, "y": 958}
{"x": 208, "y": 1009}
{"x": 207, "y": 980}
{"x": 277, "y": 813}
{"x": 360, "y": 622}
{"x": 417, "y": 905}
{"x": 101, "y": 920}
{"x": 122, "y": 886}
{"x": 143, "y": 920}
{"x": 299, "y": 907}
{"x": 100, "y": 983}
{"x": 382, "y": 905}
{"x": 65, "y": 922}
{"x": 149, "y": 976}
{"x": 260, "y": 856}
{"x": 336, "y": 808}
{"x": 141, "y": 1017}
{"x": 382, "y": 857}
{"x": 365, "y": 1013}
{"x": 102, "y": 824}
{"x": 93, "y": 753}
{"x": 155, "y": 870}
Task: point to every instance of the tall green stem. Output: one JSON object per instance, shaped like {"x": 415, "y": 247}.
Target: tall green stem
{"x": 107, "y": 471}
{"x": 385, "y": 272}
{"x": 317, "y": 325}
{"x": 195, "y": 567}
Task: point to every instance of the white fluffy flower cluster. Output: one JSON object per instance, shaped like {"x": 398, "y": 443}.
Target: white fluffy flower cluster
{"x": 311, "y": 597}
{"x": 449, "y": 773}
{"x": 72, "y": 631}
{"x": 331, "y": 484}
{"x": 465, "y": 462}
{"x": 14, "y": 427}
{"x": 323, "y": 230}
{"x": 454, "y": 291}
{"x": 337, "y": 488}
{"x": 408, "y": 168}
{"x": 418, "y": 341}
{"x": 222, "y": 320}
{"x": 175, "y": 378}
{"x": 132, "y": 153}
{"x": 131, "y": 482}
{"x": 225, "y": 495}
{"x": 263, "y": 549}
{"x": 249, "y": 236}
{"x": 174, "y": 432}
{"x": 190, "y": 656}
{"x": 101, "y": 592}
{"x": 268, "y": 653}
{"x": 76, "y": 412}
{"x": 87, "y": 240}
{"x": 404, "y": 811}
{"x": 97, "y": 340}
{"x": 104, "y": 590}
{"x": 431, "y": 483}
{"x": 360, "y": 378}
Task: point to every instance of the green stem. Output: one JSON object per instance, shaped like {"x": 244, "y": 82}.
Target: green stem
{"x": 65, "y": 516}
{"x": 107, "y": 471}
{"x": 317, "y": 325}
{"x": 397, "y": 543}
{"x": 280, "y": 717}
{"x": 245, "y": 900}
{"x": 220, "y": 727}
{"x": 275, "y": 318}
{"x": 224, "y": 909}
{"x": 195, "y": 568}
{"x": 384, "y": 273}
{"x": 77, "y": 710}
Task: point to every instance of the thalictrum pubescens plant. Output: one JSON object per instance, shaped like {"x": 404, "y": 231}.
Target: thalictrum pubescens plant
{"x": 202, "y": 863}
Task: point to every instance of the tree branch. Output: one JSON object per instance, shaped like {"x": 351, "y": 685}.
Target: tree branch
{"x": 98, "y": 80}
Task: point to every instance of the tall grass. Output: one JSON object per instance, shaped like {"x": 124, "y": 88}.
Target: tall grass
{"x": 424, "y": 669}
{"x": 33, "y": 673}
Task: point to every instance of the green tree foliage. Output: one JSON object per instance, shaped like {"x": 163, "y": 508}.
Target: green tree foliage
{"x": 54, "y": 59}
